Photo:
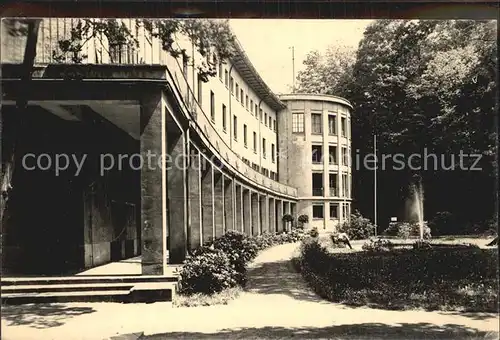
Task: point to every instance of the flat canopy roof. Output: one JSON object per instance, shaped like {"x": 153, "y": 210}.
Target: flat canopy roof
{"x": 245, "y": 68}
{"x": 316, "y": 97}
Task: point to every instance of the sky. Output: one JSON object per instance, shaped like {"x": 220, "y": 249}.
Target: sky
{"x": 267, "y": 42}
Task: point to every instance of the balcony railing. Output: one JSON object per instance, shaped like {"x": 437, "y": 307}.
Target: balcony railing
{"x": 204, "y": 128}
{"x": 317, "y": 191}
{"x": 203, "y": 125}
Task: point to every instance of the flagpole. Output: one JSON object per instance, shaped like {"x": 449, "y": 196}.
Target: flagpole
{"x": 375, "y": 183}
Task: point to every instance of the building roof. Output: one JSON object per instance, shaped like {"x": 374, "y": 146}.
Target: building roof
{"x": 317, "y": 97}
{"x": 248, "y": 72}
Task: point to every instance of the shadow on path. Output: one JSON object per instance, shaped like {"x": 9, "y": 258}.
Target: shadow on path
{"x": 353, "y": 331}
{"x": 41, "y": 315}
{"x": 279, "y": 277}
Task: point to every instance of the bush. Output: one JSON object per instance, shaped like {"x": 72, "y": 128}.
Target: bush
{"x": 379, "y": 245}
{"x": 314, "y": 232}
{"x": 443, "y": 223}
{"x": 223, "y": 263}
{"x": 406, "y": 230}
{"x": 440, "y": 278}
{"x": 209, "y": 271}
{"x": 239, "y": 248}
{"x": 358, "y": 228}
{"x": 421, "y": 244}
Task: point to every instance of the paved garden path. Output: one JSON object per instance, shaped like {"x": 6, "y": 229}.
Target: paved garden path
{"x": 277, "y": 304}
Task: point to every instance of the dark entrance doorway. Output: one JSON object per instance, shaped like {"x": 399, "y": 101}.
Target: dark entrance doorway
{"x": 60, "y": 223}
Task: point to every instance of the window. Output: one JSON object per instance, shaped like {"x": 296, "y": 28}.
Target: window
{"x": 256, "y": 111}
{"x": 274, "y": 125}
{"x": 235, "y": 128}
{"x": 316, "y": 123}
{"x": 332, "y": 154}
{"x": 265, "y": 118}
{"x": 270, "y": 122}
{"x": 317, "y": 184}
{"x": 220, "y": 70}
{"x": 317, "y": 154}
{"x": 224, "y": 118}
{"x": 298, "y": 123}
{"x": 318, "y": 211}
{"x": 332, "y": 183}
{"x": 344, "y": 185}
{"x": 332, "y": 125}
{"x": 226, "y": 78}
{"x": 273, "y": 153}
{"x": 212, "y": 106}
{"x": 260, "y": 114}
{"x": 264, "y": 147}
{"x": 348, "y": 128}
{"x": 245, "y": 135}
{"x": 246, "y": 101}
{"x": 241, "y": 96}
{"x": 231, "y": 84}
{"x": 254, "y": 142}
{"x": 185, "y": 65}
{"x": 342, "y": 126}
{"x": 345, "y": 159}
{"x": 237, "y": 91}
{"x": 200, "y": 89}
{"x": 251, "y": 106}
{"x": 334, "y": 210}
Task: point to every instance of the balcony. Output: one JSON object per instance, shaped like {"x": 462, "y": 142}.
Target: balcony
{"x": 317, "y": 191}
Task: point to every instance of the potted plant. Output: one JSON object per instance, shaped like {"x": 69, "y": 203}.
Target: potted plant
{"x": 303, "y": 219}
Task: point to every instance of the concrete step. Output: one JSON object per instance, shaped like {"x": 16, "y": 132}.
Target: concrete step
{"x": 74, "y": 287}
{"x": 50, "y": 297}
{"x": 140, "y": 292}
{"x": 23, "y": 281}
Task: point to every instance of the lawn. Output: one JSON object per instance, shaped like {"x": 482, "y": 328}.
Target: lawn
{"x": 441, "y": 278}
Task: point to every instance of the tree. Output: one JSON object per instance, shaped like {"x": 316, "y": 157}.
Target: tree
{"x": 420, "y": 84}
{"x": 327, "y": 73}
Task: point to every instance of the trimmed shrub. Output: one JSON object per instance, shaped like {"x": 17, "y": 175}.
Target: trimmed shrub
{"x": 209, "y": 271}
{"x": 239, "y": 248}
{"x": 440, "y": 278}
{"x": 314, "y": 232}
{"x": 421, "y": 244}
{"x": 358, "y": 228}
{"x": 406, "y": 230}
{"x": 379, "y": 245}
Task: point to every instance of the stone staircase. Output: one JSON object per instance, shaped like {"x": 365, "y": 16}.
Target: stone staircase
{"x": 129, "y": 288}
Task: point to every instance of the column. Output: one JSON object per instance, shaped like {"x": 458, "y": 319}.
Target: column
{"x": 286, "y": 207}
{"x": 218, "y": 203}
{"x": 176, "y": 196}
{"x": 272, "y": 215}
{"x": 194, "y": 216}
{"x": 228, "y": 205}
{"x": 293, "y": 211}
{"x": 153, "y": 185}
{"x": 247, "y": 212}
{"x": 207, "y": 202}
{"x": 264, "y": 213}
{"x": 280, "y": 225}
{"x": 256, "y": 230}
{"x": 238, "y": 211}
